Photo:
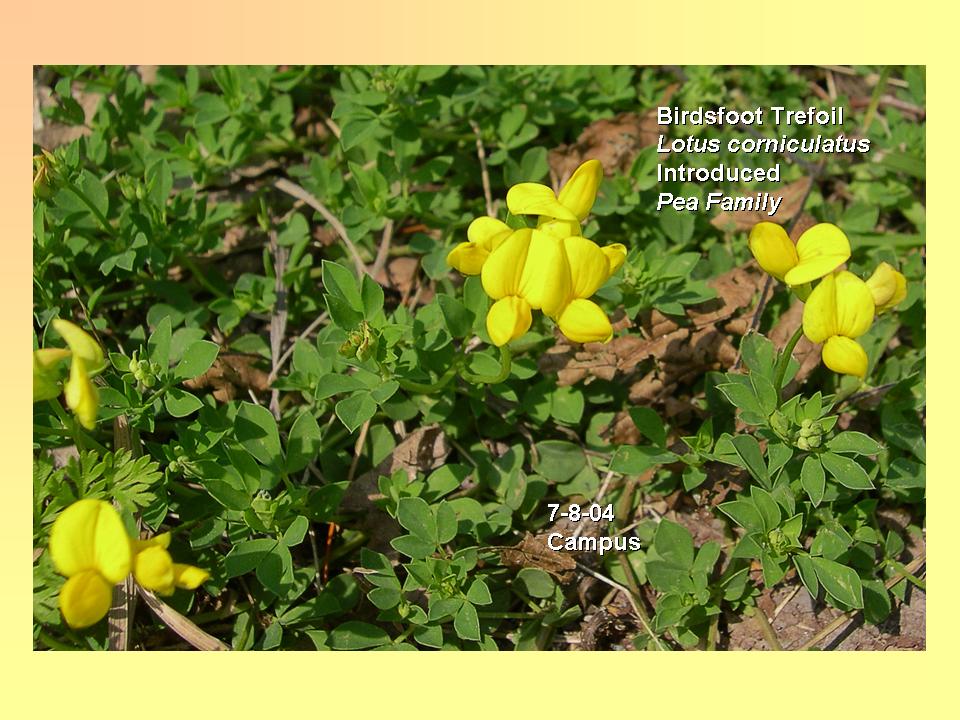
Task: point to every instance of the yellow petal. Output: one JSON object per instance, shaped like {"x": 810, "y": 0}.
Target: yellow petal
{"x": 616, "y": 254}
{"x": 888, "y": 287}
{"x": 89, "y": 535}
{"x": 855, "y": 308}
{"x": 845, "y": 356}
{"x": 81, "y": 394}
{"x": 536, "y": 199}
{"x": 81, "y": 344}
{"x": 488, "y": 232}
{"x": 820, "y": 311}
{"x": 45, "y": 380}
{"x": 502, "y": 271}
{"x": 589, "y": 266}
{"x": 508, "y": 319}
{"x": 85, "y": 598}
{"x": 773, "y": 249}
{"x": 161, "y": 540}
{"x": 48, "y": 358}
{"x": 580, "y": 191}
{"x": 821, "y": 250}
{"x": 188, "y": 576}
{"x": 545, "y": 282}
{"x": 559, "y": 228}
{"x": 153, "y": 569}
{"x": 583, "y": 321}
{"x": 468, "y": 258}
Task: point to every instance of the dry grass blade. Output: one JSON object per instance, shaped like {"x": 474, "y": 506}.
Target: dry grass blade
{"x": 124, "y": 599}
{"x": 294, "y": 190}
{"x": 181, "y": 625}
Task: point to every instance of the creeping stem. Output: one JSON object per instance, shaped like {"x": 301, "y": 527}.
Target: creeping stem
{"x": 785, "y": 362}
{"x": 506, "y": 361}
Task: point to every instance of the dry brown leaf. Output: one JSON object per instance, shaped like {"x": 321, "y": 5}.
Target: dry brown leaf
{"x": 680, "y": 351}
{"x": 793, "y": 195}
{"x": 533, "y": 552}
{"x": 422, "y": 450}
{"x": 400, "y": 274}
{"x": 230, "y": 375}
{"x": 614, "y": 141}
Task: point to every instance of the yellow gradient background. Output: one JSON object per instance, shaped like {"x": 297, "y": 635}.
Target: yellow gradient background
{"x": 325, "y": 685}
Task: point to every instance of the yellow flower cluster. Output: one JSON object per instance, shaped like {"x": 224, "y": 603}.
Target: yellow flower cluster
{"x": 841, "y": 307}
{"x": 86, "y": 359}
{"x": 551, "y": 268}
{"x": 89, "y": 544}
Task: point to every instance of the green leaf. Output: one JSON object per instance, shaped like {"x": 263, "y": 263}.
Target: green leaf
{"x": 371, "y": 295}
{"x": 356, "y": 635}
{"x": 384, "y": 598}
{"x": 179, "y": 403}
{"x": 341, "y": 283}
{"x": 416, "y": 517}
{"x": 846, "y": 471}
{"x": 247, "y": 555}
{"x": 196, "y": 360}
{"x": 96, "y": 193}
{"x": 748, "y": 450}
{"x": 674, "y": 544}
{"x": 677, "y": 226}
{"x": 446, "y": 523}
{"x": 458, "y": 319}
{"x": 225, "y": 485}
{"x": 466, "y": 623}
{"x": 256, "y": 429}
{"x": 813, "y": 480}
{"x": 357, "y": 131}
{"x": 744, "y": 513}
{"x": 876, "y": 602}
{"x": 296, "y": 531}
{"x": 478, "y": 593}
{"x": 759, "y": 355}
{"x": 535, "y": 582}
{"x": 303, "y": 442}
{"x": 413, "y": 547}
{"x": 429, "y": 636}
{"x": 355, "y": 409}
{"x": 807, "y": 573}
{"x": 840, "y": 582}
{"x": 158, "y": 346}
{"x": 648, "y": 422}
{"x": 559, "y": 460}
{"x": 767, "y": 507}
{"x": 854, "y": 442}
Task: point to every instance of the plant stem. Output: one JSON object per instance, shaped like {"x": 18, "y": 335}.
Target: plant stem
{"x": 784, "y": 363}
{"x": 768, "y": 634}
{"x": 506, "y": 362}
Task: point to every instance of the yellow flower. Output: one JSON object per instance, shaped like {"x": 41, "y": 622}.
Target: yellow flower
{"x": 580, "y": 319}
{"x": 45, "y": 382}
{"x": 87, "y": 358}
{"x": 839, "y": 310}
{"x": 528, "y": 271}
{"x": 560, "y": 215}
{"x": 80, "y": 343}
{"x": 155, "y": 570}
{"x": 819, "y": 251}
{"x": 484, "y": 235}
{"x": 89, "y": 544}
{"x": 888, "y": 287}
{"x": 81, "y": 394}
